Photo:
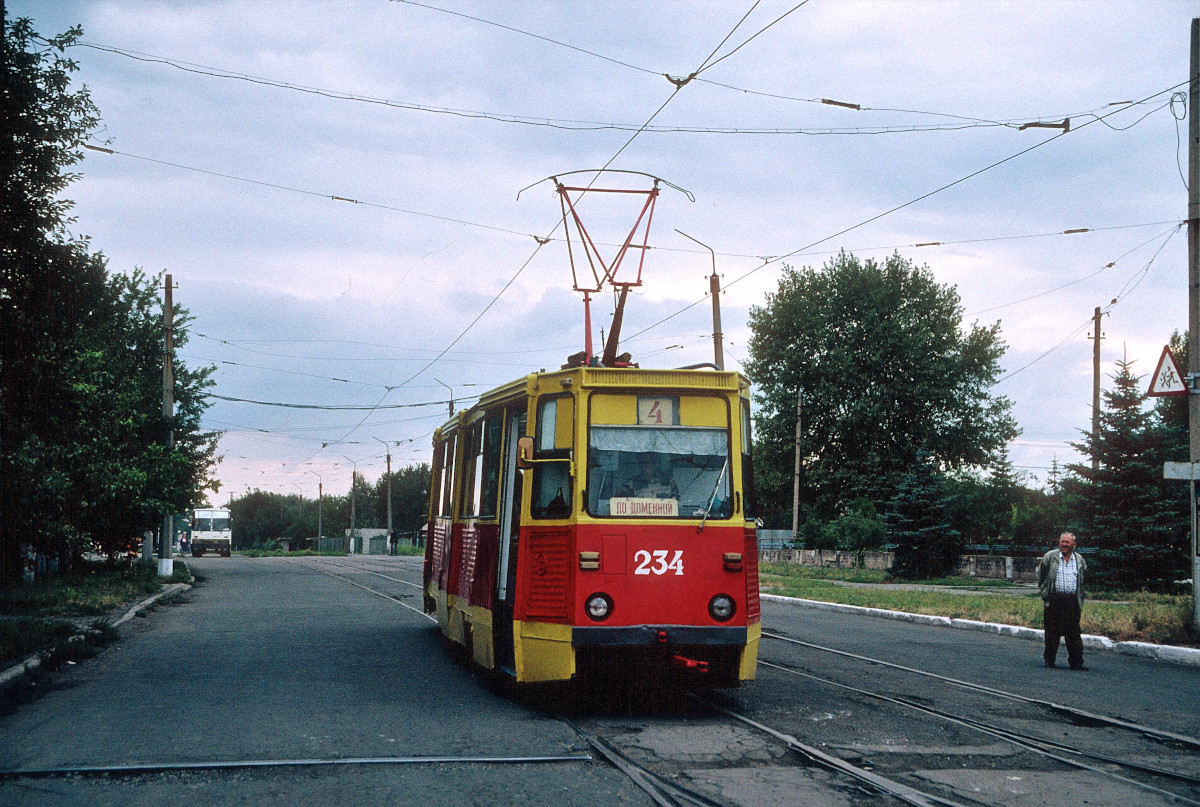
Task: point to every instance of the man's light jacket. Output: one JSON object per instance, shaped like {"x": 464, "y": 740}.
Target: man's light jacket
{"x": 1048, "y": 573}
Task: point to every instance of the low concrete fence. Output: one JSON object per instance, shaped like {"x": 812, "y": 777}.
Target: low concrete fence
{"x": 834, "y": 558}
{"x": 998, "y": 567}
{"x": 994, "y": 567}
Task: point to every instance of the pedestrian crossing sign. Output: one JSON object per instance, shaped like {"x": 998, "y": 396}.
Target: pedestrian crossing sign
{"x": 1168, "y": 378}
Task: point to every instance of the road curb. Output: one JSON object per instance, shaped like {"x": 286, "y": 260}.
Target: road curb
{"x": 34, "y": 663}
{"x": 1187, "y": 656}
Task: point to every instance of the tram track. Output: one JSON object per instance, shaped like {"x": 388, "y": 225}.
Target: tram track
{"x": 1048, "y": 749}
{"x": 1082, "y": 715}
{"x": 666, "y": 790}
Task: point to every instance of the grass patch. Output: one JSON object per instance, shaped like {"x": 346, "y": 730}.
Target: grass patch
{"x": 961, "y": 582}
{"x": 1133, "y": 616}
{"x": 95, "y": 590}
{"x": 23, "y": 636}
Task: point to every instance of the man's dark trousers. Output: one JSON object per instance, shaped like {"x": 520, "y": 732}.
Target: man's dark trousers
{"x": 1061, "y": 619}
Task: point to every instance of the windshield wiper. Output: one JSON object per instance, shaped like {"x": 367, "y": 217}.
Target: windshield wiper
{"x": 713, "y": 497}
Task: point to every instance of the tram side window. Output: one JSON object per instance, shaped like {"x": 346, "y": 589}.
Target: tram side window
{"x": 493, "y": 428}
{"x": 447, "y": 504}
{"x": 749, "y": 502}
{"x": 555, "y": 429}
{"x": 471, "y": 461}
{"x": 435, "y": 483}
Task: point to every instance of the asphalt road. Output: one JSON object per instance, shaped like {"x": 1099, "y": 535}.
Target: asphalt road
{"x": 275, "y": 659}
{"x": 267, "y": 660}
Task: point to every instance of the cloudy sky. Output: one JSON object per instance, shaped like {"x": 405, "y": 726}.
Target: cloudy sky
{"x": 334, "y": 188}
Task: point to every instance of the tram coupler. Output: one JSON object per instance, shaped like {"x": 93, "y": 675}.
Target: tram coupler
{"x": 690, "y": 664}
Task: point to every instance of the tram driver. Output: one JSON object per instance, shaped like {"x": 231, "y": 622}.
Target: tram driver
{"x": 652, "y": 481}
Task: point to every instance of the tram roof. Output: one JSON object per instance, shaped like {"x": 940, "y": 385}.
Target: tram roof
{"x": 604, "y": 378}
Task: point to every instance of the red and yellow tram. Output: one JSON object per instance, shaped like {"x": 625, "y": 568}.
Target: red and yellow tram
{"x": 598, "y": 520}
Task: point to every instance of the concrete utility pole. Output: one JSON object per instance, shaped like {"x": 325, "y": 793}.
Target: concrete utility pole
{"x": 388, "y": 449}
{"x": 320, "y": 503}
{"x": 1096, "y": 337}
{"x": 1194, "y": 295}
{"x": 796, "y": 472}
{"x": 166, "y": 564}
{"x": 353, "y": 496}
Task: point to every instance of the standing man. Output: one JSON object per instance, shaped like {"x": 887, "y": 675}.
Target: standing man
{"x": 1060, "y": 578}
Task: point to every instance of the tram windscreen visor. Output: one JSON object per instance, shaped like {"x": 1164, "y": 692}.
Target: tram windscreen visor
{"x": 687, "y": 466}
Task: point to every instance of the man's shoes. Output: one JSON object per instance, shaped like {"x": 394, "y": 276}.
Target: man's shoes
{"x": 1051, "y": 664}
{"x": 1080, "y": 668}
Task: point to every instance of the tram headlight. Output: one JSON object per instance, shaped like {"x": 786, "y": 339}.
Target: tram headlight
{"x": 599, "y": 606}
{"x": 722, "y": 607}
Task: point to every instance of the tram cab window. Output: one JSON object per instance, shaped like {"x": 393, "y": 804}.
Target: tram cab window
{"x": 646, "y": 461}
{"x": 552, "y": 483}
{"x": 648, "y": 471}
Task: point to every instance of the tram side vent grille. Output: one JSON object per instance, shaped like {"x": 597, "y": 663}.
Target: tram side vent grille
{"x": 549, "y": 574}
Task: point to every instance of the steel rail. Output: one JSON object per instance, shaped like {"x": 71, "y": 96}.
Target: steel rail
{"x": 377, "y": 574}
{"x": 664, "y": 792}
{"x": 389, "y": 597}
{"x": 903, "y": 792}
{"x": 247, "y": 764}
{"x": 1157, "y": 734}
{"x": 1035, "y": 744}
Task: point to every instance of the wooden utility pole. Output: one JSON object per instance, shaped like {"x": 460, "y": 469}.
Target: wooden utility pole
{"x": 1194, "y": 295}
{"x": 1096, "y": 337}
{"x": 796, "y": 472}
{"x": 166, "y": 565}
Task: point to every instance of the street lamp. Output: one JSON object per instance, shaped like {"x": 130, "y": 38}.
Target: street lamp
{"x": 714, "y": 288}
{"x": 447, "y": 386}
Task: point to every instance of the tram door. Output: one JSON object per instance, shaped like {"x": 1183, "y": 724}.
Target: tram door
{"x": 510, "y": 531}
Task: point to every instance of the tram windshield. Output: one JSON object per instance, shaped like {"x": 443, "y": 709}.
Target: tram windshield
{"x": 666, "y": 471}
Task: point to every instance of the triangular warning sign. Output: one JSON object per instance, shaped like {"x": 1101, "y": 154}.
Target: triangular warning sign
{"x": 1168, "y": 378}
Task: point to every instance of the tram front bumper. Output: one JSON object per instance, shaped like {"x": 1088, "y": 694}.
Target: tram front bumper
{"x": 649, "y": 635}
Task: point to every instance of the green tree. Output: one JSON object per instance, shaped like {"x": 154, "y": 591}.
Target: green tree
{"x": 1123, "y": 507}
{"x": 81, "y": 427}
{"x": 860, "y": 530}
{"x": 127, "y": 478}
{"x": 927, "y": 545}
{"x": 886, "y": 369}
{"x": 49, "y": 286}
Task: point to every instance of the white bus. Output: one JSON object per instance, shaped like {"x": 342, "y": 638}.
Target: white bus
{"x": 211, "y": 532}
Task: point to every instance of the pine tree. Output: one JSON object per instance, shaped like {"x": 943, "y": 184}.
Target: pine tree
{"x": 1122, "y": 507}
{"x": 926, "y": 543}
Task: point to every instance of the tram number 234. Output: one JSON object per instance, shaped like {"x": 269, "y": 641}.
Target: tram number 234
{"x": 656, "y": 562}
